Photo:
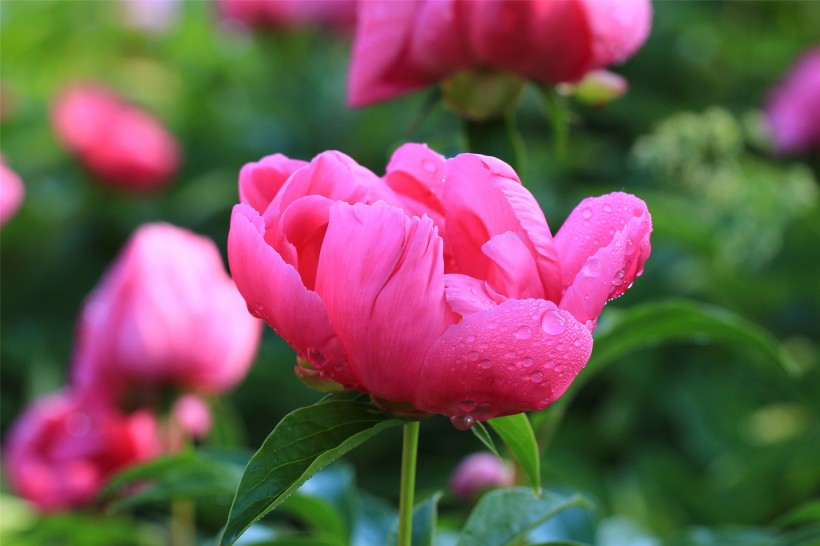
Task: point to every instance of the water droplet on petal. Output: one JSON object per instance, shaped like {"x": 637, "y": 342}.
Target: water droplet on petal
{"x": 492, "y": 325}
{"x": 429, "y": 166}
{"x": 607, "y": 208}
{"x": 526, "y": 362}
{"x": 592, "y": 268}
{"x": 587, "y": 214}
{"x": 553, "y": 323}
{"x": 523, "y": 332}
{"x": 462, "y": 422}
{"x": 536, "y": 377}
{"x": 467, "y": 405}
{"x": 470, "y": 339}
{"x": 485, "y": 364}
{"x": 316, "y": 357}
{"x": 618, "y": 279}
{"x": 473, "y": 355}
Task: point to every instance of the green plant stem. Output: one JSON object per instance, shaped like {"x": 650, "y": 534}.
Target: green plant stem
{"x": 183, "y": 511}
{"x": 408, "y": 482}
{"x": 556, "y": 109}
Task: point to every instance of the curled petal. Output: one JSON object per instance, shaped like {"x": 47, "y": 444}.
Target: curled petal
{"x": 467, "y": 295}
{"x": 617, "y": 29}
{"x": 261, "y": 180}
{"x": 387, "y": 305}
{"x": 275, "y": 293}
{"x": 518, "y": 356}
{"x": 416, "y": 174}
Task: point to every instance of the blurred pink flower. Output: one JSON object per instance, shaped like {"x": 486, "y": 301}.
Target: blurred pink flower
{"x": 193, "y": 415}
{"x": 479, "y": 472}
{"x": 402, "y": 46}
{"x": 120, "y": 144}
{"x": 151, "y": 15}
{"x": 64, "y": 446}
{"x": 165, "y": 314}
{"x": 438, "y": 286}
{"x": 11, "y": 193}
{"x": 793, "y": 107}
{"x": 340, "y": 14}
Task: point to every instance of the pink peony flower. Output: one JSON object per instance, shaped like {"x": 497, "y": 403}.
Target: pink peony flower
{"x": 193, "y": 415}
{"x": 793, "y": 108}
{"x": 438, "y": 287}
{"x": 120, "y": 144}
{"x": 11, "y": 193}
{"x": 64, "y": 447}
{"x": 340, "y": 14}
{"x": 402, "y": 46}
{"x": 151, "y": 15}
{"x": 479, "y": 472}
{"x": 165, "y": 314}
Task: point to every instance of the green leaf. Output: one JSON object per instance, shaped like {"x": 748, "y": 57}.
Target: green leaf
{"x": 505, "y": 516}
{"x": 481, "y": 432}
{"x": 318, "y": 514}
{"x": 517, "y": 433}
{"x": 425, "y": 515}
{"x": 304, "y": 442}
{"x": 808, "y": 512}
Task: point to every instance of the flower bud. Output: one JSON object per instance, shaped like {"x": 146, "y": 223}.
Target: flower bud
{"x": 478, "y": 473}
{"x": 482, "y": 94}
{"x": 597, "y": 88}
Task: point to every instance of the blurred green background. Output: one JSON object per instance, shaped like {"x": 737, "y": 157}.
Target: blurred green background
{"x": 672, "y": 435}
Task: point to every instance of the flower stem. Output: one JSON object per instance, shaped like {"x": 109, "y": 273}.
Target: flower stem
{"x": 408, "y": 482}
{"x": 556, "y": 109}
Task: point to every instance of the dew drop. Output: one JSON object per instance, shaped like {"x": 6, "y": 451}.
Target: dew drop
{"x": 462, "y": 422}
{"x": 577, "y": 343}
{"x": 592, "y": 268}
{"x": 553, "y": 323}
{"x": 536, "y": 377}
{"x": 485, "y": 364}
{"x": 523, "y": 332}
{"x": 587, "y": 214}
{"x": 472, "y": 355}
{"x": 618, "y": 279}
{"x": 470, "y": 339}
{"x": 473, "y": 291}
{"x": 429, "y": 166}
{"x": 559, "y": 347}
{"x": 607, "y": 208}
{"x": 316, "y": 357}
{"x": 526, "y": 362}
{"x": 492, "y": 325}
{"x": 467, "y": 405}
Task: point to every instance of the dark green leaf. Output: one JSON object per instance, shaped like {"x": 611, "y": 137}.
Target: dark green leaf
{"x": 318, "y": 514}
{"x": 505, "y": 516}
{"x": 303, "y": 443}
{"x": 425, "y": 516}
{"x": 517, "y": 433}
{"x": 484, "y": 437}
{"x": 808, "y": 512}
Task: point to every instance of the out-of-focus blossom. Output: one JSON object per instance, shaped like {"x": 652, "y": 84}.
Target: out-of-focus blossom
{"x": 597, "y": 88}
{"x": 63, "y": 448}
{"x": 402, "y": 46}
{"x": 151, "y": 15}
{"x": 340, "y": 14}
{"x": 437, "y": 288}
{"x": 120, "y": 144}
{"x": 479, "y": 472}
{"x": 793, "y": 108}
{"x": 11, "y": 193}
{"x": 193, "y": 415}
{"x": 166, "y": 314}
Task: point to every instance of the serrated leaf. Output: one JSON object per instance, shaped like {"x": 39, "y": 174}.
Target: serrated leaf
{"x": 305, "y": 441}
{"x": 483, "y": 435}
{"x": 505, "y": 516}
{"x": 516, "y": 432}
{"x": 425, "y": 516}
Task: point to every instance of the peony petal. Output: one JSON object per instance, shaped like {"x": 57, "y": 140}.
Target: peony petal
{"x": 518, "y": 356}
{"x": 274, "y": 292}
{"x": 416, "y": 174}
{"x": 304, "y": 224}
{"x": 592, "y": 226}
{"x": 513, "y": 270}
{"x": 467, "y": 295}
{"x": 260, "y": 181}
{"x": 386, "y": 305}
{"x": 439, "y": 44}
{"x": 618, "y": 29}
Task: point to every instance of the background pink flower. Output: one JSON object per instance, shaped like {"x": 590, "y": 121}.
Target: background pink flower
{"x": 64, "y": 447}
{"x": 120, "y": 144}
{"x": 11, "y": 193}
{"x": 402, "y": 46}
{"x": 479, "y": 472}
{"x": 340, "y": 14}
{"x": 438, "y": 286}
{"x": 165, "y": 315}
{"x": 793, "y": 108}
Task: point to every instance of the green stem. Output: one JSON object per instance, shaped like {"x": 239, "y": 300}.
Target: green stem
{"x": 556, "y": 109}
{"x": 408, "y": 482}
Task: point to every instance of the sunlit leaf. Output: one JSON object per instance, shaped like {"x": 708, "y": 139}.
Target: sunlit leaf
{"x": 517, "y": 433}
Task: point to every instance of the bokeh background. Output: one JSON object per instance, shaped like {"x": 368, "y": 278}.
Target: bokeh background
{"x": 669, "y": 436}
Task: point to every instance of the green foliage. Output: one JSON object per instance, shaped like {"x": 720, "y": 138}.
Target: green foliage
{"x": 517, "y": 434}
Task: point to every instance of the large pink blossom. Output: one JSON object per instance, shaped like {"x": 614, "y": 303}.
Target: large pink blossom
{"x": 402, "y": 46}
{"x": 793, "y": 108}
{"x": 166, "y": 314}
{"x": 11, "y": 193}
{"x": 120, "y": 144}
{"x": 64, "y": 446}
{"x": 340, "y": 14}
{"x": 437, "y": 287}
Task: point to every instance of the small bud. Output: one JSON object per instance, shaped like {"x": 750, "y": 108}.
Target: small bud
{"x": 596, "y": 88}
{"x": 482, "y": 94}
{"x": 193, "y": 415}
{"x": 312, "y": 377}
{"x": 478, "y": 473}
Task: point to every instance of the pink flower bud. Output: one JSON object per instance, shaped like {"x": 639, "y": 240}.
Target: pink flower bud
{"x": 120, "y": 144}
{"x": 340, "y": 14}
{"x": 64, "y": 447}
{"x": 193, "y": 415}
{"x": 438, "y": 287}
{"x": 479, "y": 472}
{"x": 165, "y": 315}
{"x": 11, "y": 193}
{"x": 793, "y": 108}
{"x": 403, "y": 46}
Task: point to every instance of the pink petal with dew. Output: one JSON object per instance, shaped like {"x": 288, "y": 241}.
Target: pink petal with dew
{"x": 275, "y": 293}
{"x": 416, "y": 174}
{"x": 618, "y": 29}
{"x": 387, "y": 306}
{"x": 259, "y": 182}
{"x": 518, "y": 356}
{"x": 466, "y": 295}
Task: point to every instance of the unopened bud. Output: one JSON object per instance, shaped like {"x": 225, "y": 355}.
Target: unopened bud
{"x": 596, "y": 88}
{"x": 478, "y": 473}
{"x": 482, "y": 94}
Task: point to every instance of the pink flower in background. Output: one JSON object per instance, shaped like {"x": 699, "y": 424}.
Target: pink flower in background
{"x": 193, "y": 415}
{"x": 11, "y": 193}
{"x": 402, "y": 46}
{"x": 479, "y": 472}
{"x": 151, "y": 15}
{"x": 63, "y": 448}
{"x": 438, "y": 286}
{"x": 120, "y": 144}
{"x": 340, "y": 14}
{"x": 793, "y": 108}
{"x": 166, "y": 314}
